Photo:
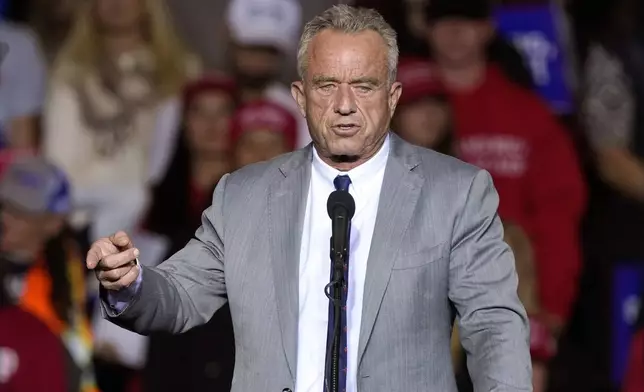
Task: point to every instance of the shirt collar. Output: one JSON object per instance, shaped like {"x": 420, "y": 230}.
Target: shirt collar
{"x": 361, "y": 175}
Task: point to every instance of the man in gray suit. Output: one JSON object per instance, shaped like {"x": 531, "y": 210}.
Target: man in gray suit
{"x": 426, "y": 245}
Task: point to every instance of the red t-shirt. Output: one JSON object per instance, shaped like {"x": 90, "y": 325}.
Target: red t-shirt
{"x": 31, "y": 357}
{"x": 510, "y": 132}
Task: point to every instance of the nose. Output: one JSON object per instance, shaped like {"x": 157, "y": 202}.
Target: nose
{"x": 345, "y": 101}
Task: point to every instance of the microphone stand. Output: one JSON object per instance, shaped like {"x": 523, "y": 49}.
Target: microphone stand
{"x": 341, "y": 208}
{"x": 333, "y": 355}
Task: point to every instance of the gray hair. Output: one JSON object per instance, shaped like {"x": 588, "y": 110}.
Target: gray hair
{"x": 350, "y": 20}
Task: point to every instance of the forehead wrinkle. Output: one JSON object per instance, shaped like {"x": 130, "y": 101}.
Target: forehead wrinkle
{"x": 349, "y": 71}
{"x": 354, "y": 62}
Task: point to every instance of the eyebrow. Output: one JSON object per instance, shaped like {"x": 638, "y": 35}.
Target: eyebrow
{"x": 328, "y": 79}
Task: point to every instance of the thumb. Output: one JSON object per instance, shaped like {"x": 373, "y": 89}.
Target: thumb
{"x": 122, "y": 240}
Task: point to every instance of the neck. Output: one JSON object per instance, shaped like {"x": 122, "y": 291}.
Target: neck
{"x": 123, "y": 42}
{"x": 464, "y": 78}
{"x": 208, "y": 169}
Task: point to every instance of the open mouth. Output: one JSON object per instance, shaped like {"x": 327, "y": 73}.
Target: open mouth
{"x": 346, "y": 128}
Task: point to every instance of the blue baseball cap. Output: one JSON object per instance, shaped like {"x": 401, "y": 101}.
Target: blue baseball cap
{"x": 35, "y": 185}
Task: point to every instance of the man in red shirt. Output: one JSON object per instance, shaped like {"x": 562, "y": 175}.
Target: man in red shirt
{"x": 509, "y": 131}
{"x": 32, "y": 358}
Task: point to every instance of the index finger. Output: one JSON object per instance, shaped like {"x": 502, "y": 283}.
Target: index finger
{"x": 122, "y": 240}
{"x": 99, "y": 249}
{"x": 94, "y": 255}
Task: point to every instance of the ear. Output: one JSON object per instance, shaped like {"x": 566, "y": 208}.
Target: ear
{"x": 394, "y": 96}
{"x": 297, "y": 91}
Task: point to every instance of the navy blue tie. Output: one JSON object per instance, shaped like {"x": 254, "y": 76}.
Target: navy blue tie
{"x": 342, "y": 184}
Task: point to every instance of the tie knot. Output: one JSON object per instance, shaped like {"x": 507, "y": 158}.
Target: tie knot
{"x": 342, "y": 183}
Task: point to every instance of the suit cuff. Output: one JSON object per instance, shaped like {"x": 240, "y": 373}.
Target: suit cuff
{"x": 116, "y": 302}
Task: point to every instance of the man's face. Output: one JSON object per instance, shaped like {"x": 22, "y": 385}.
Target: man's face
{"x": 256, "y": 66}
{"x": 208, "y": 123}
{"x": 119, "y": 15}
{"x": 22, "y": 231}
{"x": 424, "y": 123}
{"x": 346, "y": 96}
{"x": 459, "y": 42}
{"x": 259, "y": 145}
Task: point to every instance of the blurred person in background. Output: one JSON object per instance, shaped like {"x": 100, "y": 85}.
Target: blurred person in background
{"x": 32, "y": 358}
{"x": 613, "y": 115}
{"x": 23, "y": 79}
{"x": 264, "y": 37}
{"x": 46, "y": 274}
{"x": 423, "y": 116}
{"x": 262, "y": 130}
{"x": 409, "y": 19}
{"x": 113, "y": 108}
{"x": 542, "y": 342}
{"x": 507, "y": 130}
{"x": 51, "y": 20}
{"x": 203, "y": 358}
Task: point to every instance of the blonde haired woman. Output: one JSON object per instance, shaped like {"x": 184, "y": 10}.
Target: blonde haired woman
{"x": 112, "y": 108}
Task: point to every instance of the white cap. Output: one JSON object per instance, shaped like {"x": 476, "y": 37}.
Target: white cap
{"x": 274, "y": 23}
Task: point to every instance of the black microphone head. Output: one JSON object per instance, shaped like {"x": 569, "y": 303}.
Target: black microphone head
{"x": 341, "y": 199}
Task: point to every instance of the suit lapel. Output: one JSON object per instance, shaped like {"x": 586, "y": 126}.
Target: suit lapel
{"x": 400, "y": 191}
{"x": 286, "y": 208}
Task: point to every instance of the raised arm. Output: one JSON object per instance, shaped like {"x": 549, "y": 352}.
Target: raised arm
{"x": 185, "y": 290}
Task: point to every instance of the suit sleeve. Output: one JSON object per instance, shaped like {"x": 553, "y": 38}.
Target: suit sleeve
{"x": 187, "y": 289}
{"x": 483, "y": 288}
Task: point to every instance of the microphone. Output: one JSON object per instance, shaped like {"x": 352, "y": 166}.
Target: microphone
{"x": 341, "y": 208}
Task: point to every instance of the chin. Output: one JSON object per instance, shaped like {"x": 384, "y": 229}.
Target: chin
{"x": 348, "y": 152}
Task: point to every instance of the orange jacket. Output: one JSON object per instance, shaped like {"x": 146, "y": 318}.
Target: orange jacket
{"x": 36, "y": 299}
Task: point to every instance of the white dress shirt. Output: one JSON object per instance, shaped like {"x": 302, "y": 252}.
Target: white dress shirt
{"x": 315, "y": 264}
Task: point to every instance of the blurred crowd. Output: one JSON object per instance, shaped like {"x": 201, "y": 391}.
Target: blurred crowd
{"x": 124, "y": 114}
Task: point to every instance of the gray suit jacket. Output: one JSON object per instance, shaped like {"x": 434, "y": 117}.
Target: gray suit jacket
{"x": 437, "y": 251}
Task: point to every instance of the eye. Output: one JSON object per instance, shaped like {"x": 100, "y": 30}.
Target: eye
{"x": 326, "y": 88}
{"x": 363, "y": 89}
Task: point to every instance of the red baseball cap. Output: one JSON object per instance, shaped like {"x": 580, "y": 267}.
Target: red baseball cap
{"x": 420, "y": 79}
{"x": 264, "y": 115}
{"x": 210, "y": 82}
